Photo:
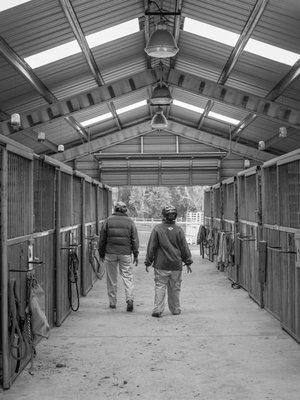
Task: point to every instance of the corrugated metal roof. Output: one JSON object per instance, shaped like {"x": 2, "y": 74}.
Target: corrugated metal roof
{"x": 39, "y": 25}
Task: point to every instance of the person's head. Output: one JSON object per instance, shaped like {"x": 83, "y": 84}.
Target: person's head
{"x": 169, "y": 213}
{"x": 120, "y": 207}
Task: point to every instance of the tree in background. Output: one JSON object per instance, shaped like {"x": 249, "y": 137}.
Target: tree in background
{"x": 147, "y": 201}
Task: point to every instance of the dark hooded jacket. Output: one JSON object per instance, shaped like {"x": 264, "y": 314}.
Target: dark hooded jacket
{"x": 167, "y": 247}
{"x": 118, "y": 235}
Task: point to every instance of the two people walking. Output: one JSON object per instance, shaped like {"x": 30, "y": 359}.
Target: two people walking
{"x": 167, "y": 250}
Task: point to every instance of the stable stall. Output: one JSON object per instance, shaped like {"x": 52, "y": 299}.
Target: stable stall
{"x": 48, "y": 215}
{"x": 281, "y": 230}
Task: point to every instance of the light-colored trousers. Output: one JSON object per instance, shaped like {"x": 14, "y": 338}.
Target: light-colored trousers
{"x": 112, "y": 262}
{"x": 170, "y": 281}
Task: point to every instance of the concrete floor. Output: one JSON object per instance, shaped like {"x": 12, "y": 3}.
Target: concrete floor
{"x": 222, "y": 347}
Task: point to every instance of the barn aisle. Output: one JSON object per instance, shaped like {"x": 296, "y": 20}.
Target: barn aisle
{"x": 223, "y": 346}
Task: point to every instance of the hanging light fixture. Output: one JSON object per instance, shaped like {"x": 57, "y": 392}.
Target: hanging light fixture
{"x": 60, "y": 148}
{"x": 161, "y": 43}
{"x": 159, "y": 121}
{"x": 161, "y": 95}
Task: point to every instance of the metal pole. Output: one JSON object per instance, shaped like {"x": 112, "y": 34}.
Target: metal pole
{"x": 4, "y": 271}
{"x": 57, "y": 251}
{"x": 83, "y": 235}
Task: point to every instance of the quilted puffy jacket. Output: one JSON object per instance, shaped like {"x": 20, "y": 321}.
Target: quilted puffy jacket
{"x": 118, "y": 235}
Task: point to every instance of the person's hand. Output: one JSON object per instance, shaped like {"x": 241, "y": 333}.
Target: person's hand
{"x": 135, "y": 261}
{"x": 189, "y": 269}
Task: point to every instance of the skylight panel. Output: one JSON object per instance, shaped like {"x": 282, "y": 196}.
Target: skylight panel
{"x": 188, "y": 106}
{"x": 54, "y": 54}
{"x": 210, "y": 32}
{"x": 113, "y": 33}
{"x": 94, "y": 39}
{"x": 97, "y": 119}
{"x": 230, "y": 38}
{"x": 131, "y": 107}
{"x": 199, "y": 110}
{"x": 6, "y": 4}
{"x": 271, "y": 52}
{"x": 223, "y": 118}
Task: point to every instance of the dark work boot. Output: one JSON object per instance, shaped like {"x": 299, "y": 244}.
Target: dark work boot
{"x": 129, "y": 305}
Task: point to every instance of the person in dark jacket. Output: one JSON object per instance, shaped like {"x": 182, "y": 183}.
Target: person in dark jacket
{"x": 167, "y": 249}
{"x": 118, "y": 241}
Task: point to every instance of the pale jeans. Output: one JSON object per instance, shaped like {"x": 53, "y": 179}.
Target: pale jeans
{"x": 170, "y": 281}
{"x": 112, "y": 262}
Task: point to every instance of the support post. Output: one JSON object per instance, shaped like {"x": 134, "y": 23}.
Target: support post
{"x": 4, "y": 270}
{"x": 58, "y": 290}
{"x": 83, "y": 240}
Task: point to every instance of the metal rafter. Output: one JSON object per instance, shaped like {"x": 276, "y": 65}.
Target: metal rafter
{"x": 176, "y": 29}
{"x": 238, "y": 48}
{"x": 100, "y": 95}
{"x": 175, "y": 128}
{"x": 243, "y": 39}
{"x": 277, "y": 90}
{"x": 164, "y": 156}
{"x": 146, "y": 32}
{"x": 3, "y": 115}
{"x": 80, "y": 37}
{"x": 207, "y": 109}
{"x": 203, "y": 87}
{"x": 22, "y": 67}
{"x": 263, "y": 107}
{"x": 26, "y": 71}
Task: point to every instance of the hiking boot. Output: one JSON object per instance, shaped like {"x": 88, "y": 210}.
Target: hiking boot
{"x": 129, "y": 305}
{"x": 156, "y": 314}
{"x": 112, "y": 306}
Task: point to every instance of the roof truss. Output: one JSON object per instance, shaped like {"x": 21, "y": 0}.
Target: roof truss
{"x": 175, "y": 128}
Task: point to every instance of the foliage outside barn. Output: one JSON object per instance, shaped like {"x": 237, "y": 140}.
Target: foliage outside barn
{"x": 145, "y": 205}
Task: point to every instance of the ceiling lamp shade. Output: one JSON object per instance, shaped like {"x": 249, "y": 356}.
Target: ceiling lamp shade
{"x": 159, "y": 121}
{"x": 161, "y": 95}
{"x": 161, "y": 43}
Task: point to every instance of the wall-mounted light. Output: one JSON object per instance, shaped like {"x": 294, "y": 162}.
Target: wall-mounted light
{"x": 41, "y": 137}
{"x": 15, "y": 120}
{"x": 283, "y": 132}
{"x": 60, "y": 148}
{"x": 159, "y": 121}
{"x": 246, "y": 164}
{"x": 261, "y": 145}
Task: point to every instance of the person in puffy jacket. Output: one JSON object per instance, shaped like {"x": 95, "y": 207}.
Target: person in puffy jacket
{"x": 167, "y": 249}
{"x": 118, "y": 241}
